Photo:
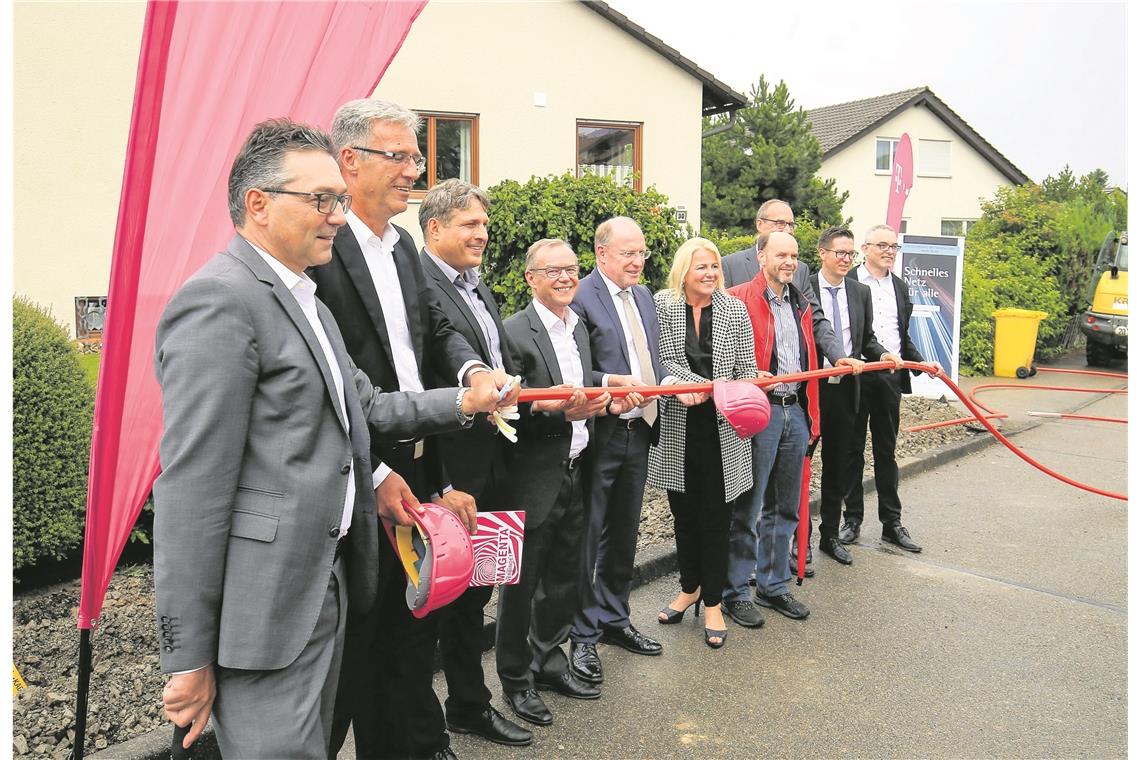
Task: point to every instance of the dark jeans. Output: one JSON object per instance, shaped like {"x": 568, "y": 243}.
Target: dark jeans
{"x": 880, "y": 398}
{"x": 837, "y": 429}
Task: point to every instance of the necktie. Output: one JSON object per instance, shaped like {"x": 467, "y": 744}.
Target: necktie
{"x": 641, "y": 346}
{"x": 836, "y": 318}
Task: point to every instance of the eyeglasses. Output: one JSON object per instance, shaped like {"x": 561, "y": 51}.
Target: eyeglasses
{"x": 326, "y": 202}
{"x": 554, "y": 273}
{"x": 631, "y": 255}
{"x": 841, "y": 254}
{"x": 884, "y": 247}
{"x": 398, "y": 157}
{"x": 779, "y": 224}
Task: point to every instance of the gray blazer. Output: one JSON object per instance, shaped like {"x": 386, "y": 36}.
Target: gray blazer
{"x": 544, "y": 438}
{"x": 734, "y": 357}
{"x": 742, "y": 266}
{"x": 255, "y": 461}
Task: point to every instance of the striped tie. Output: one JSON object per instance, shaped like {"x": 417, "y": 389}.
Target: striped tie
{"x": 641, "y": 346}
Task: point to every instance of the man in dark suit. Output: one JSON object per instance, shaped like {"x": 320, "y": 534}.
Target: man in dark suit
{"x": 849, "y": 304}
{"x": 453, "y": 218}
{"x": 375, "y": 288}
{"x": 265, "y": 517}
{"x": 881, "y": 392}
{"x": 622, "y": 321}
{"x": 552, "y": 346}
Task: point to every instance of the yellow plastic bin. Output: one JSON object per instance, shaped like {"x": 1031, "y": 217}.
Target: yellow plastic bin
{"x": 1015, "y": 341}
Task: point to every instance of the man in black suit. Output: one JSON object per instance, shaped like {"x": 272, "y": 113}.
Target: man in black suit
{"x": 848, "y": 303}
{"x": 376, "y": 290}
{"x": 552, "y": 347}
{"x": 622, "y": 322}
{"x": 453, "y": 218}
{"x": 881, "y": 392}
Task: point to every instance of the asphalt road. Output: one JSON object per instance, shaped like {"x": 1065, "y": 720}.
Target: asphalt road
{"x": 1006, "y": 637}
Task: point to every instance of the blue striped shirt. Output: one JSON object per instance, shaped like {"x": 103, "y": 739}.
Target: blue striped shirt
{"x": 787, "y": 339}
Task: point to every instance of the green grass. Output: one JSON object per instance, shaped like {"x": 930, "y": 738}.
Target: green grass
{"x": 90, "y": 364}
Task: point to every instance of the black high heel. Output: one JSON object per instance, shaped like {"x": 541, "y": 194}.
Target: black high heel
{"x": 712, "y": 633}
{"x": 672, "y": 616}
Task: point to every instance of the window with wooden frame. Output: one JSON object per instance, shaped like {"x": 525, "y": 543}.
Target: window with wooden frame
{"x": 609, "y": 148}
{"x": 451, "y": 146}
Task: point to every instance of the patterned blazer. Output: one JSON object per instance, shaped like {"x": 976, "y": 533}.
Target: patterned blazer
{"x": 734, "y": 357}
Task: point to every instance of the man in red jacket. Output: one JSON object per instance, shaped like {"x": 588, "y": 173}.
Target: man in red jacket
{"x": 762, "y": 528}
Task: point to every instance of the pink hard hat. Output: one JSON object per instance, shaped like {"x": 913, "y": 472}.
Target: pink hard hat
{"x": 743, "y": 404}
{"x": 437, "y": 557}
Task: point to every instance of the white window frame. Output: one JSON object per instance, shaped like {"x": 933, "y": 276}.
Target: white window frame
{"x": 922, "y": 167}
{"x": 966, "y": 225}
{"x": 894, "y": 142}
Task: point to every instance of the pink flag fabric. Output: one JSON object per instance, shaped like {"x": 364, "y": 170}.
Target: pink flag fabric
{"x": 208, "y": 71}
{"x": 902, "y": 180}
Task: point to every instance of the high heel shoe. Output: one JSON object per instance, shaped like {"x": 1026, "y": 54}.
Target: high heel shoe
{"x": 711, "y": 634}
{"x": 672, "y": 616}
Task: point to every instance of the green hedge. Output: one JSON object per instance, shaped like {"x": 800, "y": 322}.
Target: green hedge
{"x": 52, "y": 403}
{"x": 570, "y": 208}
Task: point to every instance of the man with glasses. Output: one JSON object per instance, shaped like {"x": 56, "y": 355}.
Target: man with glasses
{"x": 453, "y": 218}
{"x": 848, "y": 303}
{"x": 375, "y": 287}
{"x": 622, "y": 322}
{"x": 265, "y": 516}
{"x": 552, "y": 347}
{"x": 881, "y": 392}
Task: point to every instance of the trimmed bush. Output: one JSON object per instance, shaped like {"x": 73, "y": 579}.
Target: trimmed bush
{"x": 52, "y": 404}
{"x": 571, "y": 208}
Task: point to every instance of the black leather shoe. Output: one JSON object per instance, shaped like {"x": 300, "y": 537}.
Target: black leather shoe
{"x": 632, "y": 640}
{"x": 785, "y": 604}
{"x": 568, "y": 686}
{"x": 529, "y": 706}
{"x": 809, "y": 571}
{"x": 585, "y": 663}
{"x": 491, "y": 725}
{"x": 834, "y": 549}
{"x": 849, "y": 533}
{"x": 900, "y": 537}
{"x": 445, "y": 754}
{"x": 744, "y": 613}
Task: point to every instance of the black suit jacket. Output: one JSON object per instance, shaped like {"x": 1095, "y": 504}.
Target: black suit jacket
{"x": 544, "y": 438}
{"x": 860, "y": 317}
{"x": 345, "y": 286}
{"x": 904, "y": 307}
{"x": 474, "y": 457}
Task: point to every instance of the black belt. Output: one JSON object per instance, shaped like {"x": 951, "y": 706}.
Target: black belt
{"x": 787, "y": 399}
{"x": 629, "y": 423}
{"x": 415, "y": 443}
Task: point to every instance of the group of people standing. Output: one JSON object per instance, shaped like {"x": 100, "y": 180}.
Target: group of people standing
{"x": 323, "y": 374}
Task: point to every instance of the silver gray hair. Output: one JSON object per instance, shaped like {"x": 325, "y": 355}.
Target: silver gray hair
{"x": 871, "y": 231}
{"x": 352, "y": 124}
{"x": 769, "y": 204}
{"x": 259, "y": 162}
{"x": 447, "y": 197}
{"x": 540, "y": 245}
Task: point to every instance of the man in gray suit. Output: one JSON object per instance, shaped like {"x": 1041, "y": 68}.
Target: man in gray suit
{"x": 265, "y": 517}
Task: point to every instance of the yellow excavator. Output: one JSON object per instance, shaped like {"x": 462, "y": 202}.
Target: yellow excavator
{"x": 1105, "y": 323}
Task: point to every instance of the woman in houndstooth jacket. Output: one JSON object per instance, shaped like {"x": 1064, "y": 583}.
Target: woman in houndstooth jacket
{"x": 699, "y": 460}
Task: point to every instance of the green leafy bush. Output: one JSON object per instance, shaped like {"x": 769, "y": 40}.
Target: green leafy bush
{"x": 570, "y": 208}
{"x": 52, "y": 403}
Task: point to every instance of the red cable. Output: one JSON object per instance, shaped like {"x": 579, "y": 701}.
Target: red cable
{"x": 975, "y": 408}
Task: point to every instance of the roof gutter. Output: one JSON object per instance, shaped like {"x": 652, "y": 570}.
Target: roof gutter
{"x": 723, "y": 127}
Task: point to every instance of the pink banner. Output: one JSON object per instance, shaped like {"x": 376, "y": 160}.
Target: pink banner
{"x": 498, "y": 548}
{"x": 902, "y": 180}
{"x": 207, "y": 73}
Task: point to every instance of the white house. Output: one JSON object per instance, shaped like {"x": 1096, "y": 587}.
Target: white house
{"x": 955, "y": 168}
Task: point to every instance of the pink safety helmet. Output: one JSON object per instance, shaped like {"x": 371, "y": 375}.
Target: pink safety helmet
{"x": 743, "y": 404}
{"x": 437, "y": 557}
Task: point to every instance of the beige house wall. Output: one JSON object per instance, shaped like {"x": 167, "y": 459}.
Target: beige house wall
{"x": 494, "y": 58}
{"x": 932, "y": 199}
{"x": 73, "y": 87}
{"x": 74, "y": 78}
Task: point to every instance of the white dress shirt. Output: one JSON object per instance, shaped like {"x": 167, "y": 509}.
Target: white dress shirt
{"x": 634, "y": 364}
{"x": 886, "y": 322}
{"x": 569, "y": 363}
{"x": 843, "y": 330}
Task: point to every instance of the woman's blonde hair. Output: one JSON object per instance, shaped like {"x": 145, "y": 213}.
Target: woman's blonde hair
{"x": 683, "y": 259}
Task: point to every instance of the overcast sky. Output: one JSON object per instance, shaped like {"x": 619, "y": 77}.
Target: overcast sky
{"x": 1041, "y": 81}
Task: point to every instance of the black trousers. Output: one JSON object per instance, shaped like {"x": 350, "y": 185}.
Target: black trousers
{"x": 535, "y": 614}
{"x": 700, "y": 514}
{"x": 460, "y": 626}
{"x": 837, "y": 420}
{"x": 385, "y": 689}
{"x": 880, "y": 399}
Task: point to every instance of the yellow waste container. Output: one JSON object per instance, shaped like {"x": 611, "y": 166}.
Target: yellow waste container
{"x": 1015, "y": 341}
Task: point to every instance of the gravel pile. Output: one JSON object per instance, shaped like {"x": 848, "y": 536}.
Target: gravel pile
{"x": 126, "y": 685}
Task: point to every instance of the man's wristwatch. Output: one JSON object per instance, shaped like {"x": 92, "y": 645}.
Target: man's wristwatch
{"x": 464, "y": 419}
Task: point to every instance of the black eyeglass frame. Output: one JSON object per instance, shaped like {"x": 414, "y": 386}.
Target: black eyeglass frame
{"x": 397, "y": 157}
{"x": 344, "y": 199}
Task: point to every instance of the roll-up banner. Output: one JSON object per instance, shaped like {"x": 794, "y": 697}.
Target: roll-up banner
{"x": 931, "y": 270}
